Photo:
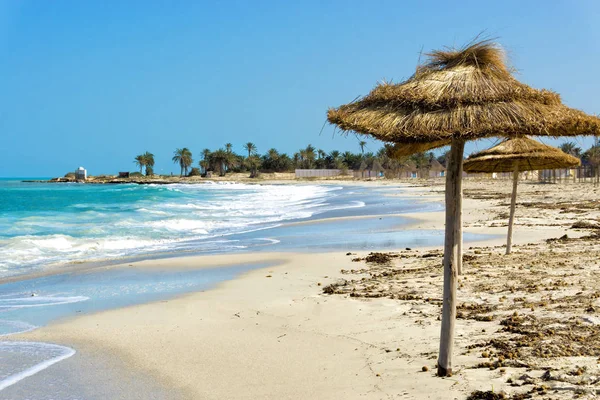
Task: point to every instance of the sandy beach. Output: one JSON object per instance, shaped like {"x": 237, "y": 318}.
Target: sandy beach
{"x": 299, "y": 200}
{"x": 336, "y": 325}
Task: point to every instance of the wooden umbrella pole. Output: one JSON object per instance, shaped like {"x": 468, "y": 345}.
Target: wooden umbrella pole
{"x": 451, "y": 255}
{"x": 513, "y": 204}
{"x": 459, "y": 261}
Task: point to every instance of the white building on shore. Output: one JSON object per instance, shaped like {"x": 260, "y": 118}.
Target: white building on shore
{"x": 81, "y": 173}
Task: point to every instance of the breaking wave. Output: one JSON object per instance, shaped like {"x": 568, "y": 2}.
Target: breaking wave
{"x": 96, "y": 222}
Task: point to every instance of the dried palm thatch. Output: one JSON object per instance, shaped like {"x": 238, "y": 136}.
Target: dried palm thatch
{"x": 434, "y": 165}
{"x": 401, "y": 150}
{"x": 459, "y": 95}
{"x": 409, "y": 165}
{"x": 523, "y": 154}
{"x": 515, "y": 155}
{"x": 466, "y": 94}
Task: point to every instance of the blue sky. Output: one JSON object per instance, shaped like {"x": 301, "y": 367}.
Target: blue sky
{"x": 94, "y": 83}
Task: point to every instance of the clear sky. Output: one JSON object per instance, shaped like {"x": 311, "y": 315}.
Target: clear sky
{"x": 96, "y": 82}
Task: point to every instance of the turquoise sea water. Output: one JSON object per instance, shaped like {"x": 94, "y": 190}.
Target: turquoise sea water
{"x": 46, "y": 225}
{"x": 43, "y": 224}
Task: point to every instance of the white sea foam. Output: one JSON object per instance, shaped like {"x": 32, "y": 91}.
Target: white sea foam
{"x": 8, "y": 327}
{"x": 38, "y": 301}
{"x": 34, "y": 357}
{"x": 188, "y": 225}
{"x": 156, "y": 212}
{"x": 157, "y": 218}
{"x": 270, "y": 240}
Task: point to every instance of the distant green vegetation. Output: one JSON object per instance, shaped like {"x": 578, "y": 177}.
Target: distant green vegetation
{"x": 145, "y": 160}
{"x": 591, "y": 156}
{"x": 183, "y": 157}
{"x": 225, "y": 160}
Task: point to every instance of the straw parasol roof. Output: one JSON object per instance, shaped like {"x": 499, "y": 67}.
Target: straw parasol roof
{"x": 455, "y": 96}
{"x": 515, "y": 155}
{"x": 466, "y": 94}
{"x": 523, "y": 153}
{"x": 409, "y": 165}
{"x": 435, "y": 165}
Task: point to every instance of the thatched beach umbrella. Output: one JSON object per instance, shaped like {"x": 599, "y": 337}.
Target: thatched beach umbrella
{"x": 454, "y": 97}
{"x": 516, "y": 155}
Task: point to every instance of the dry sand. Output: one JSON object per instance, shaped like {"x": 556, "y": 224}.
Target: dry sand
{"x": 331, "y": 326}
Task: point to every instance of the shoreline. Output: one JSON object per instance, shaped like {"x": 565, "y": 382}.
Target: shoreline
{"x": 268, "y": 178}
{"x": 107, "y": 263}
{"x": 272, "y": 333}
{"x": 422, "y": 220}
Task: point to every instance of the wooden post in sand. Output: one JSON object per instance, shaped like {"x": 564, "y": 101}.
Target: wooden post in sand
{"x": 513, "y": 204}
{"x": 459, "y": 262}
{"x": 451, "y": 254}
{"x": 459, "y": 215}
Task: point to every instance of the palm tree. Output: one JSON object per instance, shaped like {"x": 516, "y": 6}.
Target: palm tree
{"x": 571, "y": 148}
{"x": 270, "y": 160}
{"x": 220, "y": 158}
{"x": 273, "y": 154}
{"x": 140, "y": 161}
{"x": 253, "y": 164}
{"x": 421, "y": 161}
{"x": 205, "y": 162}
{"x": 228, "y": 147}
{"x": 352, "y": 160}
{"x": 302, "y": 159}
{"x": 309, "y": 156}
{"x": 592, "y": 155}
{"x": 369, "y": 158}
{"x": 321, "y": 160}
{"x": 204, "y": 165}
{"x": 362, "y": 145}
{"x": 334, "y": 160}
{"x": 184, "y": 158}
{"x": 149, "y": 163}
{"x": 149, "y": 157}
{"x": 250, "y": 148}
{"x": 231, "y": 161}
{"x": 393, "y": 164}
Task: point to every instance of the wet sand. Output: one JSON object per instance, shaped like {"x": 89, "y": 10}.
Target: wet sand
{"x": 332, "y": 325}
{"x": 89, "y": 376}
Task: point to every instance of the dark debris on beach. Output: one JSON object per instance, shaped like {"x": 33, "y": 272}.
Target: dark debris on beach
{"x": 541, "y": 301}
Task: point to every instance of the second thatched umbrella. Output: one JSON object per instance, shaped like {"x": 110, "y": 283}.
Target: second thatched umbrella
{"x": 459, "y": 95}
{"x": 518, "y": 155}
